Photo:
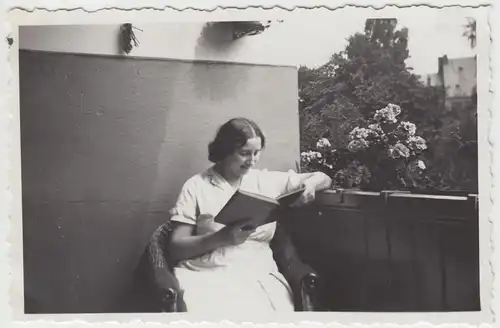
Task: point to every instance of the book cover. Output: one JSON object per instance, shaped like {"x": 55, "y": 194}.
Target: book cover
{"x": 256, "y": 209}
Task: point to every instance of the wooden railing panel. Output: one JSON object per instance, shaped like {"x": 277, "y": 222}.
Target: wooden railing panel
{"x": 392, "y": 252}
{"x": 403, "y": 270}
{"x": 461, "y": 265}
{"x": 428, "y": 258}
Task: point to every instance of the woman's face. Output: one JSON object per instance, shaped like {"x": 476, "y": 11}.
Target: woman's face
{"x": 243, "y": 159}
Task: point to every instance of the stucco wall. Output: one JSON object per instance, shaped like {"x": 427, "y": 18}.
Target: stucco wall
{"x": 106, "y": 144}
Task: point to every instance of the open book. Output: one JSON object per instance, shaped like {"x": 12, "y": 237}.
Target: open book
{"x": 255, "y": 209}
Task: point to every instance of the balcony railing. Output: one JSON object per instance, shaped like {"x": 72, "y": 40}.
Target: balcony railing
{"x": 392, "y": 251}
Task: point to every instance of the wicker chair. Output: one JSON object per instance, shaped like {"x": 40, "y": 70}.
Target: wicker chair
{"x": 156, "y": 289}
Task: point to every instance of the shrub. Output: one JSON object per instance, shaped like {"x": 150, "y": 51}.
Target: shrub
{"x": 383, "y": 154}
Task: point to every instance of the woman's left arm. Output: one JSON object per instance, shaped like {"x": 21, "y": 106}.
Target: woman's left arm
{"x": 313, "y": 182}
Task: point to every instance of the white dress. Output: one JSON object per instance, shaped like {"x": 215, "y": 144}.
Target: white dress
{"x": 234, "y": 279}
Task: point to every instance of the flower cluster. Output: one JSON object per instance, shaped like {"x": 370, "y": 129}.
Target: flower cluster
{"x": 315, "y": 158}
{"x": 363, "y": 138}
{"x": 359, "y": 133}
{"x": 398, "y": 151}
{"x": 407, "y": 128}
{"x": 421, "y": 165}
{"x": 323, "y": 143}
{"x": 376, "y": 129}
{"x": 378, "y": 154}
{"x": 387, "y": 114}
{"x": 358, "y": 139}
{"x": 310, "y": 156}
{"x": 358, "y": 145}
{"x": 417, "y": 143}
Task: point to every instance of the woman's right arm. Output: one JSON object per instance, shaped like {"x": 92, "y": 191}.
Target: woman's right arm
{"x": 184, "y": 245}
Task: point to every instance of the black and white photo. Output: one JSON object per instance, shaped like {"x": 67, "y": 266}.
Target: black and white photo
{"x": 137, "y": 138}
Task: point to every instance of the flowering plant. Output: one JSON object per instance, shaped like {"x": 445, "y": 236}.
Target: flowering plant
{"x": 383, "y": 154}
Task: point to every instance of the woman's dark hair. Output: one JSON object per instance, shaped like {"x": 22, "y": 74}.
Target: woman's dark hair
{"x": 231, "y": 136}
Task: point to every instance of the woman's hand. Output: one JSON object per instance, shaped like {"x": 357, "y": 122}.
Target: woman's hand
{"x": 312, "y": 182}
{"x": 307, "y": 196}
{"x": 232, "y": 235}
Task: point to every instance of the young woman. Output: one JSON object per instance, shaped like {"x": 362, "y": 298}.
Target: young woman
{"x": 229, "y": 268}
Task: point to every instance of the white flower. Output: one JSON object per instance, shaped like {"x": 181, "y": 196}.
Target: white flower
{"x": 376, "y": 130}
{"x": 388, "y": 113}
{"x": 310, "y": 156}
{"x": 408, "y": 127}
{"x": 416, "y": 142}
{"x": 323, "y": 143}
{"x": 357, "y": 145}
{"x": 359, "y": 133}
{"x": 421, "y": 165}
{"x": 395, "y": 109}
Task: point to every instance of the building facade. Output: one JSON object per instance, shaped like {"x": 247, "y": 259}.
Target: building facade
{"x": 458, "y": 76}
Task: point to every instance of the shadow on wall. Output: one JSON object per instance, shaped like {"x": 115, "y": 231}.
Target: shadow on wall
{"x": 216, "y": 38}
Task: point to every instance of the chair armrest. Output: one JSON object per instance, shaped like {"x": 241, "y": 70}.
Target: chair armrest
{"x": 309, "y": 292}
{"x": 300, "y": 276}
{"x": 158, "y": 285}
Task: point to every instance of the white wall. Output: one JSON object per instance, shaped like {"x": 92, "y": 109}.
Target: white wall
{"x": 186, "y": 40}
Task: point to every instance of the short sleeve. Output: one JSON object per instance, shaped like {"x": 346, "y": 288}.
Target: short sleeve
{"x": 279, "y": 182}
{"x": 185, "y": 208}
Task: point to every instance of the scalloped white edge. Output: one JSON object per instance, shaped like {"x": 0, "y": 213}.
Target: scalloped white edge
{"x": 11, "y": 255}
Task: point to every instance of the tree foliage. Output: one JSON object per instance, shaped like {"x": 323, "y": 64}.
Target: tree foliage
{"x": 369, "y": 74}
{"x": 470, "y": 31}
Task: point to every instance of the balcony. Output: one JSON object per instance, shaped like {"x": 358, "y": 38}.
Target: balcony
{"x": 392, "y": 251}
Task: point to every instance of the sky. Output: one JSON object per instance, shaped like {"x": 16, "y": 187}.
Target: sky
{"x": 312, "y": 38}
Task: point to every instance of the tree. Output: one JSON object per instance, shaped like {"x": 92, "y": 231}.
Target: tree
{"x": 368, "y": 75}
{"x": 470, "y": 31}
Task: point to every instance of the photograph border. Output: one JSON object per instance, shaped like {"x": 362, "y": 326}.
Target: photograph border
{"x": 97, "y": 10}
